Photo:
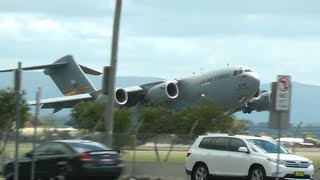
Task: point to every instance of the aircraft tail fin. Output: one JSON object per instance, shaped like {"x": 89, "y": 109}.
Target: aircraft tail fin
{"x": 70, "y": 77}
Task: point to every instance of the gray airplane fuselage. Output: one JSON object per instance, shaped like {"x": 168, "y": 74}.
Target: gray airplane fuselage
{"x": 227, "y": 86}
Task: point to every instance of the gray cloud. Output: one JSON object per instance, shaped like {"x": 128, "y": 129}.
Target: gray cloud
{"x": 167, "y": 38}
{"x": 62, "y": 8}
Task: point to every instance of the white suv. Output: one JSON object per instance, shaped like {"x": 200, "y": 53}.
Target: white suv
{"x": 246, "y": 156}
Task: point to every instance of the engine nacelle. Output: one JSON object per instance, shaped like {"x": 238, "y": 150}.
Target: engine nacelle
{"x": 257, "y": 94}
{"x": 120, "y": 97}
{"x": 163, "y": 92}
{"x": 262, "y": 103}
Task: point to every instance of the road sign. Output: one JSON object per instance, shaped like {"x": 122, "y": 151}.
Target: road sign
{"x": 277, "y": 119}
{"x": 282, "y": 101}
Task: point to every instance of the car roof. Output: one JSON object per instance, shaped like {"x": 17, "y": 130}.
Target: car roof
{"x": 248, "y": 137}
{"x": 232, "y": 135}
{"x": 216, "y": 135}
{"x": 84, "y": 143}
{"x": 73, "y": 141}
{"x": 255, "y": 137}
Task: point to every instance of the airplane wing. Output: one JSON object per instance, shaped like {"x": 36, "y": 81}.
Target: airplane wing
{"x": 135, "y": 94}
{"x": 138, "y": 93}
{"x": 62, "y": 102}
{"x": 128, "y": 96}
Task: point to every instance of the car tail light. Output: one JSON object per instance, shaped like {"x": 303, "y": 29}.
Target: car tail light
{"x": 85, "y": 157}
{"x": 120, "y": 156}
{"x": 188, "y": 154}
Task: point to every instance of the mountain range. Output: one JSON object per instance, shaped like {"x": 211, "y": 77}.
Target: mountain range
{"x": 304, "y": 105}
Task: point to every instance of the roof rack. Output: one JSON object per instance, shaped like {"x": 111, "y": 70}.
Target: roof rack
{"x": 222, "y": 134}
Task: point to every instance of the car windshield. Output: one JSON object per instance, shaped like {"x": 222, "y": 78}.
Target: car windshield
{"x": 266, "y": 146}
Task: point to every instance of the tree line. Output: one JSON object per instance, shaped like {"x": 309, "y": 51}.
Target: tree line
{"x": 159, "y": 119}
{"x": 153, "y": 118}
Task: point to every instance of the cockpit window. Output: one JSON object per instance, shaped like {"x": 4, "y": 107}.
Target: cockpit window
{"x": 235, "y": 73}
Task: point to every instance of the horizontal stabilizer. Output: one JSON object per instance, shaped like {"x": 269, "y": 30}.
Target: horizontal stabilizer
{"x": 58, "y": 64}
{"x": 49, "y": 66}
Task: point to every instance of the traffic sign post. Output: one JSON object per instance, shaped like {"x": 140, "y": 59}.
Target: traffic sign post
{"x": 280, "y": 103}
{"x": 280, "y": 108}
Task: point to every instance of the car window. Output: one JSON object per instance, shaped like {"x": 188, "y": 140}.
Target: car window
{"x": 60, "y": 149}
{"x": 83, "y": 147}
{"x": 256, "y": 148}
{"x": 42, "y": 150}
{"x": 52, "y": 148}
{"x": 205, "y": 142}
{"x": 220, "y": 143}
{"x": 235, "y": 144}
{"x": 268, "y": 146}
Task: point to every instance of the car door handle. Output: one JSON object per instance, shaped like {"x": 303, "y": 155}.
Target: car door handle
{"x": 35, "y": 159}
{"x": 62, "y": 163}
{"x": 70, "y": 158}
{"x": 228, "y": 155}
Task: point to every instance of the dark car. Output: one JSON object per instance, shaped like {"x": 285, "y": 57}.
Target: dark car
{"x": 71, "y": 159}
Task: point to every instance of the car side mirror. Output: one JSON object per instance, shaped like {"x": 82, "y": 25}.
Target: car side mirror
{"x": 243, "y": 149}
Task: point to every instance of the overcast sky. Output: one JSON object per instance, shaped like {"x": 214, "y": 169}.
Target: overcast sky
{"x": 167, "y": 38}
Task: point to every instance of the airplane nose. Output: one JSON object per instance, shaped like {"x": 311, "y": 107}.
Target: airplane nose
{"x": 254, "y": 79}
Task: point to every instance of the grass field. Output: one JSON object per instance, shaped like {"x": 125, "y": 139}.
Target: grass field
{"x": 175, "y": 156}
{"x": 316, "y": 161}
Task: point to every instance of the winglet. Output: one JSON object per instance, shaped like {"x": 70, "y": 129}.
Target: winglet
{"x": 89, "y": 71}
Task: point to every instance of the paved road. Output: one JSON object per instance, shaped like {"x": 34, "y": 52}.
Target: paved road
{"x": 163, "y": 171}
{"x": 155, "y": 170}
{"x": 160, "y": 171}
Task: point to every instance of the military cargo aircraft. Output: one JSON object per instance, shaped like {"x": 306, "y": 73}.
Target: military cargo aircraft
{"x": 233, "y": 87}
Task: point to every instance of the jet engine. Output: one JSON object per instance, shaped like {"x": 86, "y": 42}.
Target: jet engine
{"x": 261, "y": 103}
{"x": 121, "y": 96}
{"x": 163, "y": 92}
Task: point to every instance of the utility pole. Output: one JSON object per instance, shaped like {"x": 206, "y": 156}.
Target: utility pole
{"x": 17, "y": 88}
{"x": 35, "y": 125}
{"x": 108, "y": 117}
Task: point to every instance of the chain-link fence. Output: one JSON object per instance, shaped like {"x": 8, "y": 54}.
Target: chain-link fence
{"x": 143, "y": 140}
{"x": 158, "y": 147}
{"x": 120, "y": 140}
{"x": 295, "y": 130}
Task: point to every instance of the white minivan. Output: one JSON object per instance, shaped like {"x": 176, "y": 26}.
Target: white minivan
{"x": 245, "y": 156}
